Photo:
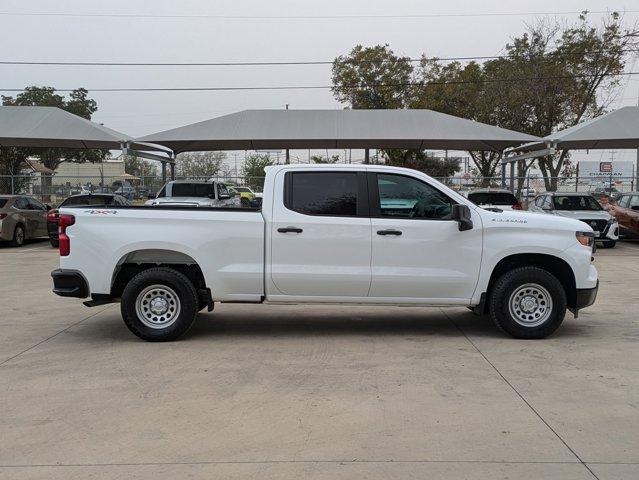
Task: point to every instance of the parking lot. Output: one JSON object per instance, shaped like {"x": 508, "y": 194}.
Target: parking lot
{"x": 315, "y": 392}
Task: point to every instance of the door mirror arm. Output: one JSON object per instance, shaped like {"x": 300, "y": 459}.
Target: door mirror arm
{"x": 461, "y": 214}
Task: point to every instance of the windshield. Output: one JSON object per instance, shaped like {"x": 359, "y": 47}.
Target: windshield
{"x": 492, "y": 198}
{"x": 576, "y": 202}
{"x": 192, "y": 189}
{"x": 243, "y": 189}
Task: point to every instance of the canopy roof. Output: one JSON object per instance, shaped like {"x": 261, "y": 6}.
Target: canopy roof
{"x": 279, "y": 129}
{"x": 618, "y": 129}
{"x": 53, "y": 127}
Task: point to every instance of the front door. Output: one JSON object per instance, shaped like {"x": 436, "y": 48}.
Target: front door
{"x": 418, "y": 251}
{"x": 321, "y": 235}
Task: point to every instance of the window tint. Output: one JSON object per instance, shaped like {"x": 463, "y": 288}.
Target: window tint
{"x": 35, "y": 204}
{"x": 162, "y": 192}
{"x": 86, "y": 200}
{"x": 323, "y": 193}
{"x": 406, "y": 197}
{"x": 192, "y": 189}
{"x": 3, "y": 202}
{"x": 21, "y": 203}
{"x": 492, "y": 198}
{"x": 575, "y": 202}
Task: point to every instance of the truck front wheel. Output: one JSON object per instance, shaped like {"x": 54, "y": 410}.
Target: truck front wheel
{"x": 159, "y": 304}
{"x": 528, "y": 302}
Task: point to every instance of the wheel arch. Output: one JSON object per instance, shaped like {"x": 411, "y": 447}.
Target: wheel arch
{"x": 551, "y": 263}
{"x": 136, "y": 261}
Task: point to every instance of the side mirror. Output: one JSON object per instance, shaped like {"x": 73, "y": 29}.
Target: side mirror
{"x": 461, "y": 214}
{"x": 224, "y": 196}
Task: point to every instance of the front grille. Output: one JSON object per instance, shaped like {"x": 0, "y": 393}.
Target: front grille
{"x": 597, "y": 225}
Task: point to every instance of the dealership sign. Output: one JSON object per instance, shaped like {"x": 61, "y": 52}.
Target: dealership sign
{"x": 606, "y": 170}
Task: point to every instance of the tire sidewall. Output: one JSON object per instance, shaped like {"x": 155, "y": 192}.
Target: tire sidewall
{"x": 15, "y": 242}
{"x": 508, "y": 283}
{"x": 180, "y": 284}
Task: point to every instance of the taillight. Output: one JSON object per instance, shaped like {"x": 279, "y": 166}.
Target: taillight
{"x": 64, "y": 221}
{"x": 517, "y": 206}
{"x": 52, "y": 216}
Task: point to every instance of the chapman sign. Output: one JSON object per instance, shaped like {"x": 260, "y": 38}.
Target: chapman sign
{"x": 605, "y": 170}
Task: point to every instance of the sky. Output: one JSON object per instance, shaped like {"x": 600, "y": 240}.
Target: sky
{"x": 453, "y": 28}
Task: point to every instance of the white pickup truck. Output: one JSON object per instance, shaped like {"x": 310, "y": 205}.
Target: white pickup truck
{"x": 329, "y": 234}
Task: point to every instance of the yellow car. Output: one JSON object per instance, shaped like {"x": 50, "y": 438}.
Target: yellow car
{"x": 247, "y": 196}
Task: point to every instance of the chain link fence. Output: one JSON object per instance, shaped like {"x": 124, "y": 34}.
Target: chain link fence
{"x": 54, "y": 189}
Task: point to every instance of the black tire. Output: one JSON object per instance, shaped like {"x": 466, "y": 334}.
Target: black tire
{"x": 176, "y": 287}
{"x": 54, "y": 242}
{"x": 609, "y": 243}
{"x": 514, "y": 281}
{"x": 19, "y": 234}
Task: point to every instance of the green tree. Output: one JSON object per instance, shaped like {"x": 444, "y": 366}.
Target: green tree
{"x": 323, "y": 159}
{"x": 434, "y": 166}
{"x": 139, "y": 167}
{"x": 358, "y": 78}
{"x": 253, "y": 169}
{"x": 199, "y": 164}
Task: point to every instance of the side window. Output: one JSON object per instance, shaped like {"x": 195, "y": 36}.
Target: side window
{"x": 547, "y": 203}
{"x": 162, "y": 192}
{"x": 35, "y": 205}
{"x": 322, "y": 193}
{"x": 222, "y": 190}
{"x": 634, "y": 201}
{"x": 623, "y": 201}
{"x": 406, "y": 197}
{"x": 539, "y": 201}
{"x": 21, "y": 203}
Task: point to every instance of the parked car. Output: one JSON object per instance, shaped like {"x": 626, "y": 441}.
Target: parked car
{"x": 329, "y": 236}
{"x": 84, "y": 200}
{"x": 626, "y": 211}
{"x": 607, "y": 192}
{"x": 189, "y": 193}
{"x": 247, "y": 196}
{"x": 494, "y": 198}
{"x": 21, "y": 218}
{"x": 583, "y": 207}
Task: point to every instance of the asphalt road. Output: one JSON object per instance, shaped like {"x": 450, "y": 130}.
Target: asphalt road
{"x": 315, "y": 392}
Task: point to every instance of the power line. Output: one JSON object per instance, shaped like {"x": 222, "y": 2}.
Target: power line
{"x": 304, "y": 17}
{"x": 309, "y": 62}
{"x": 326, "y": 87}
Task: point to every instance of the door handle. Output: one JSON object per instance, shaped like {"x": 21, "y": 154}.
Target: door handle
{"x": 290, "y": 230}
{"x": 389, "y": 232}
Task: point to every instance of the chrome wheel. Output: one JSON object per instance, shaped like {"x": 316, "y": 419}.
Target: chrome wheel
{"x": 530, "y": 305}
{"x": 157, "y": 306}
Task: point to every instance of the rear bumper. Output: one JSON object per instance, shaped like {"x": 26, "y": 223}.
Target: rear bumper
{"x": 69, "y": 283}
{"x": 586, "y": 297}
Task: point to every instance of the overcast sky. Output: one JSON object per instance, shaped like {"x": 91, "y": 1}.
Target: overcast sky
{"x": 129, "y": 39}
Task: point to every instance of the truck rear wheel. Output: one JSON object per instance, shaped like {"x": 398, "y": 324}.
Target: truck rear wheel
{"x": 159, "y": 304}
{"x": 528, "y": 302}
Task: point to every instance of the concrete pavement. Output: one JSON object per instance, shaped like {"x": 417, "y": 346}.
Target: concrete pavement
{"x": 315, "y": 392}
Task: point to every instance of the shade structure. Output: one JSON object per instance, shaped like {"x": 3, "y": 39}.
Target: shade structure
{"x": 336, "y": 129}
{"x": 618, "y": 129}
{"x": 50, "y": 127}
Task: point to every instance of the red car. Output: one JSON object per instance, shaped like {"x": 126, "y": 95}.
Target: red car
{"x": 626, "y": 210}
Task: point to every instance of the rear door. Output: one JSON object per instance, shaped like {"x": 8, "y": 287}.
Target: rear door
{"x": 39, "y": 213}
{"x": 321, "y": 235}
{"x": 418, "y": 251}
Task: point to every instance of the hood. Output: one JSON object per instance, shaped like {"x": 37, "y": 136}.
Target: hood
{"x": 584, "y": 214}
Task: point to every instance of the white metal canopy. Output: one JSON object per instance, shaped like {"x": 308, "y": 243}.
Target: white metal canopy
{"x": 337, "y": 129}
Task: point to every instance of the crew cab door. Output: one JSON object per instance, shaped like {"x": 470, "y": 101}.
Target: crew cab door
{"x": 321, "y": 234}
{"x": 418, "y": 250}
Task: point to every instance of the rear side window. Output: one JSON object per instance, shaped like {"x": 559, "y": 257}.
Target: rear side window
{"x": 322, "y": 193}
{"x": 3, "y": 202}
{"x": 492, "y": 198}
{"x": 21, "y": 203}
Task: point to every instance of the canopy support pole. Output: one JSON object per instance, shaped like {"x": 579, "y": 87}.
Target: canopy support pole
{"x": 367, "y": 156}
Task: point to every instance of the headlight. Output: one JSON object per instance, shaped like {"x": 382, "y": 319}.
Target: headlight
{"x": 587, "y": 239}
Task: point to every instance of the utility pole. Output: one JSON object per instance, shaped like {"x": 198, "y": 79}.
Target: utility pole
{"x": 288, "y": 153}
